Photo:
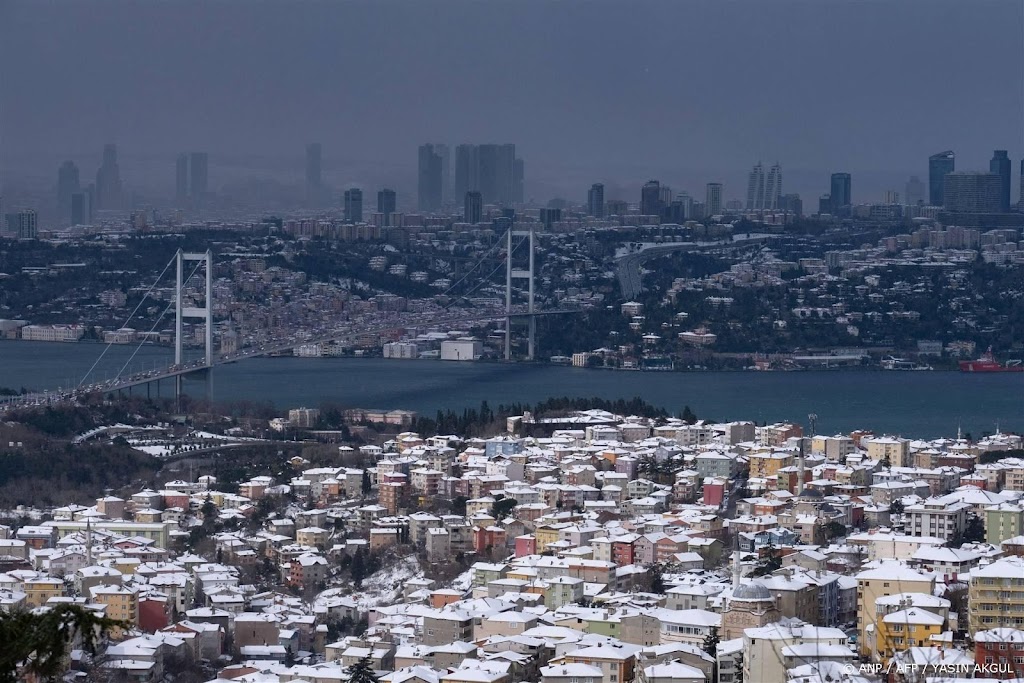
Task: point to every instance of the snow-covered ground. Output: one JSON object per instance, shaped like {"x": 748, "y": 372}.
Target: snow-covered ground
{"x": 167, "y": 446}
{"x": 463, "y": 581}
{"x": 383, "y": 588}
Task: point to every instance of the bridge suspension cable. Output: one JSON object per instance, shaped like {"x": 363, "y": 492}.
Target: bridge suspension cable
{"x": 488, "y": 277}
{"x": 125, "y": 323}
{"x": 479, "y": 263}
{"x": 152, "y": 329}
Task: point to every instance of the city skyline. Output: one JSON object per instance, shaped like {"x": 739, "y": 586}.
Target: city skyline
{"x": 367, "y": 144}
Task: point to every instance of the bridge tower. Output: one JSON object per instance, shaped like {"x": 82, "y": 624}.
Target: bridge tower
{"x": 519, "y": 274}
{"x": 182, "y": 312}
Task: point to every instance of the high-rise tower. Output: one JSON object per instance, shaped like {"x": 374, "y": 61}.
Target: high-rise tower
{"x": 595, "y": 200}
{"x": 354, "y": 205}
{"x": 939, "y": 165}
{"x": 1000, "y": 165}
{"x": 650, "y": 198}
{"x": 755, "y": 188}
{"x": 430, "y": 182}
{"x": 473, "y": 208}
{"x": 386, "y": 200}
{"x": 68, "y": 184}
{"x": 773, "y": 188}
{"x": 467, "y": 169}
{"x": 108, "y": 180}
{"x": 841, "y": 192}
{"x": 713, "y": 199}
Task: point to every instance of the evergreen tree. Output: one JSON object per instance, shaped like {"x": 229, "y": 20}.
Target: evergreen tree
{"x": 711, "y": 641}
{"x": 657, "y": 579}
{"x": 974, "y": 532}
{"x": 362, "y": 671}
{"x": 366, "y": 486}
{"x": 358, "y": 568}
{"x": 35, "y": 644}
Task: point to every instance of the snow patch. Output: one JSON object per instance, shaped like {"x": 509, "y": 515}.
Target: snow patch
{"x": 383, "y": 588}
{"x": 463, "y": 581}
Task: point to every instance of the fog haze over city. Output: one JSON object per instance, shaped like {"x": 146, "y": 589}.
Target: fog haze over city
{"x": 598, "y": 91}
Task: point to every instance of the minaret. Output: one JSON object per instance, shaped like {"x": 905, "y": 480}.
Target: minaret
{"x": 800, "y": 485}
{"x": 736, "y": 565}
{"x": 88, "y": 541}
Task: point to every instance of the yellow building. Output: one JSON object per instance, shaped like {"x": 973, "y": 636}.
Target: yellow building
{"x": 768, "y": 463}
{"x": 996, "y": 595}
{"x": 888, "y": 578}
{"x": 545, "y": 536}
{"x": 122, "y": 604}
{"x": 39, "y": 591}
{"x": 893, "y": 449}
{"x": 906, "y": 628}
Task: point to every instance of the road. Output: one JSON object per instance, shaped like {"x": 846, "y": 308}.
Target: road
{"x": 628, "y": 267}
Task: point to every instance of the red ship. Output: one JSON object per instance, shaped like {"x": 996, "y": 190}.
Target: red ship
{"x": 988, "y": 363}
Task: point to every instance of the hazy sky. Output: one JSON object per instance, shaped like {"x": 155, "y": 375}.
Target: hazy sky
{"x": 687, "y": 91}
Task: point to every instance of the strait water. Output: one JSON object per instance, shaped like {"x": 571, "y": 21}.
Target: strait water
{"x": 915, "y": 404}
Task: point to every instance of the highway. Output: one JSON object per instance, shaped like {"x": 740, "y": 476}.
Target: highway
{"x": 628, "y": 267}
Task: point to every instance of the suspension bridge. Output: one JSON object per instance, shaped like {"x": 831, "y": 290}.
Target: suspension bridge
{"x": 185, "y": 307}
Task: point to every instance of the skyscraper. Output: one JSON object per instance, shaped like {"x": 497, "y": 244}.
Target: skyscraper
{"x": 473, "y": 209}
{"x": 181, "y": 177}
{"x": 314, "y": 176}
{"x": 497, "y": 173}
{"x": 1000, "y": 165}
{"x": 68, "y": 183}
{"x": 773, "y": 188}
{"x": 467, "y": 169}
{"x": 938, "y": 166}
{"x": 685, "y": 202}
{"x": 386, "y": 200}
{"x": 755, "y": 188}
{"x": 914, "y": 191}
{"x": 108, "y": 180}
{"x": 199, "y": 172}
{"x": 713, "y": 199}
{"x": 595, "y": 200}
{"x": 972, "y": 192}
{"x": 28, "y": 224}
{"x": 650, "y": 198}
{"x": 1020, "y": 197}
{"x": 430, "y": 182}
{"x": 791, "y": 203}
{"x": 840, "y": 194}
{"x": 444, "y": 152}
{"x": 354, "y": 205}
{"x": 81, "y": 209}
